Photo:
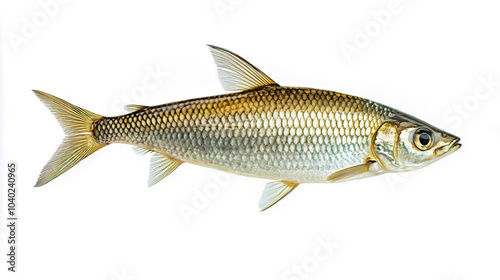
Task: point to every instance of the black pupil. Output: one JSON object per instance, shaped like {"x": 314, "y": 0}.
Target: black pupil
{"x": 424, "y": 139}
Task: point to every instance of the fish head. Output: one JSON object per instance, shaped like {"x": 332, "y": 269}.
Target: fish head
{"x": 405, "y": 143}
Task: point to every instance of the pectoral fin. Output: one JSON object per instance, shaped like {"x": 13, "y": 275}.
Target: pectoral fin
{"x": 350, "y": 172}
{"x": 161, "y": 166}
{"x": 274, "y": 192}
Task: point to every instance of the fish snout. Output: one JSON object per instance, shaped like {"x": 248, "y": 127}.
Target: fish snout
{"x": 455, "y": 144}
{"x": 452, "y": 147}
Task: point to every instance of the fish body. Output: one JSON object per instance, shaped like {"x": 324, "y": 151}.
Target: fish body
{"x": 273, "y": 132}
{"x": 291, "y": 135}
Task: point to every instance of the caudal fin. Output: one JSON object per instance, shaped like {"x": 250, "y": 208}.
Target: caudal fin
{"x": 78, "y": 143}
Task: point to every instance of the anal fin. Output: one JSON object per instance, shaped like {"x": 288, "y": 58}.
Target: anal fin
{"x": 274, "y": 192}
{"x": 161, "y": 166}
{"x": 350, "y": 172}
{"x": 141, "y": 151}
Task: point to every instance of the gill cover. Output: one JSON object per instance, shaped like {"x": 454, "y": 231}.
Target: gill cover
{"x": 384, "y": 146}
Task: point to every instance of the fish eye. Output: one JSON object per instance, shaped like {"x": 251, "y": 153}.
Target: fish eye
{"x": 423, "y": 139}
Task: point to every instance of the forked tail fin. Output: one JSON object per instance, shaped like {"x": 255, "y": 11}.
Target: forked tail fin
{"x": 78, "y": 144}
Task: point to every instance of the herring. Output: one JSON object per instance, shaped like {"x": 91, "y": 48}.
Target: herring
{"x": 290, "y": 135}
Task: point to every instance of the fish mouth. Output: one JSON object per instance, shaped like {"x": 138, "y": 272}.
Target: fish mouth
{"x": 450, "y": 148}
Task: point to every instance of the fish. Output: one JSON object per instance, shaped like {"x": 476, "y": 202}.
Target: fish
{"x": 289, "y": 135}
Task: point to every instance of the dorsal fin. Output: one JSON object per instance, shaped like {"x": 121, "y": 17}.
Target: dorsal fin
{"x": 134, "y": 107}
{"x": 237, "y": 74}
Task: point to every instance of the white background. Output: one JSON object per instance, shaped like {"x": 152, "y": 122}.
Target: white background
{"x": 100, "y": 221}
